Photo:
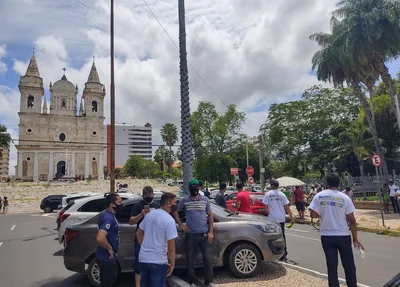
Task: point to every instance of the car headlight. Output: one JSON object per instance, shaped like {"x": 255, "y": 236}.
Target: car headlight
{"x": 268, "y": 228}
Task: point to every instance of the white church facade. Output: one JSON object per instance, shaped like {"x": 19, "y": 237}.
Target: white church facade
{"x": 56, "y": 139}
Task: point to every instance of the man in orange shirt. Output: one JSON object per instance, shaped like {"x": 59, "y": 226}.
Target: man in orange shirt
{"x": 242, "y": 199}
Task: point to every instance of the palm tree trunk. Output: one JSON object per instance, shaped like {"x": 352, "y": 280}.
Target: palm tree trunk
{"x": 371, "y": 92}
{"x": 372, "y": 127}
{"x": 170, "y": 160}
{"x": 187, "y": 157}
{"x": 387, "y": 79}
{"x": 361, "y": 165}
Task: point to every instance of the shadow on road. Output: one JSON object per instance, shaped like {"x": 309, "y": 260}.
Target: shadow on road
{"x": 80, "y": 280}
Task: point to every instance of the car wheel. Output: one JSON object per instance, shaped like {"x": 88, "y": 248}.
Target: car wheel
{"x": 48, "y": 209}
{"x": 244, "y": 260}
{"x": 93, "y": 273}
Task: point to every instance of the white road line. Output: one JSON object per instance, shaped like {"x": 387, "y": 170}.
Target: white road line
{"x": 12, "y": 228}
{"x": 317, "y": 273}
{"x": 298, "y": 230}
{"x": 1, "y": 243}
{"x": 304, "y": 237}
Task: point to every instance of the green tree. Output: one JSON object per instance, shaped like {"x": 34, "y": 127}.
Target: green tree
{"x": 169, "y": 134}
{"x": 134, "y": 165}
{"x": 5, "y": 138}
{"x": 162, "y": 155}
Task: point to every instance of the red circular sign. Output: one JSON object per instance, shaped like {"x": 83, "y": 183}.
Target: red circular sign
{"x": 250, "y": 170}
{"x": 376, "y": 160}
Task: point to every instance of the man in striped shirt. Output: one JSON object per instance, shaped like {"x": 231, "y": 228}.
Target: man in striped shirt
{"x": 199, "y": 230}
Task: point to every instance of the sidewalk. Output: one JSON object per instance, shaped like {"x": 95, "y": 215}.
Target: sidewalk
{"x": 366, "y": 219}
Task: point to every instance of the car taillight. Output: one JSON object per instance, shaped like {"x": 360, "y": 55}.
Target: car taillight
{"x": 70, "y": 234}
{"x": 63, "y": 217}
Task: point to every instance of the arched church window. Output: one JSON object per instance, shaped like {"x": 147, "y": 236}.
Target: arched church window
{"x": 94, "y": 106}
{"x": 63, "y": 105}
{"x": 31, "y": 102}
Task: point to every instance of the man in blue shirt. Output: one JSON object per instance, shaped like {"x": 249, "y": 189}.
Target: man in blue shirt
{"x": 199, "y": 230}
{"x": 108, "y": 241}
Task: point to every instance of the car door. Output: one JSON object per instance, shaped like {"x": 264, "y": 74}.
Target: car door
{"x": 230, "y": 200}
{"x": 126, "y": 253}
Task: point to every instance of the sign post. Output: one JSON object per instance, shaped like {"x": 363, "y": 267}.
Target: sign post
{"x": 376, "y": 161}
{"x": 250, "y": 180}
{"x": 235, "y": 173}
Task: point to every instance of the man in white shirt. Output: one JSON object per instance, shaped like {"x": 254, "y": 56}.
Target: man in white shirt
{"x": 156, "y": 235}
{"x": 393, "y": 189}
{"x": 336, "y": 210}
{"x": 276, "y": 205}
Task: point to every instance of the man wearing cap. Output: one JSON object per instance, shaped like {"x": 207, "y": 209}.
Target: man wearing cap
{"x": 199, "y": 230}
{"x": 138, "y": 212}
{"x": 276, "y": 206}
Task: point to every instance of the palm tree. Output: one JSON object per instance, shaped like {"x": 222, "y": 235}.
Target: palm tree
{"x": 334, "y": 65}
{"x": 187, "y": 156}
{"x": 169, "y": 134}
{"x": 371, "y": 31}
{"x": 161, "y": 155}
{"x": 5, "y": 139}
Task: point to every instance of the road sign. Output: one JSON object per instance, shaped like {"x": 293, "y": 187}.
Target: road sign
{"x": 234, "y": 171}
{"x": 376, "y": 160}
{"x": 262, "y": 170}
{"x": 250, "y": 170}
{"x": 250, "y": 180}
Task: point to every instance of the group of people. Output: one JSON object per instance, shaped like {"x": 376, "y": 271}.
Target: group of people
{"x": 155, "y": 236}
{"x": 4, "y": 204}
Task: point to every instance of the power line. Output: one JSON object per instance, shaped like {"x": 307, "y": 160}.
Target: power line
{"x": 190, "y": 64}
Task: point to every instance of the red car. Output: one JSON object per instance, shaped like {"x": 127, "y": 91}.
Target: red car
{"x": 256, "y": 204}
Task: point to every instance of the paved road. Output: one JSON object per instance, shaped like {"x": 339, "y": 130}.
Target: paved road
{"x": 377, "y": 268}
{"x": 31, "y": 256}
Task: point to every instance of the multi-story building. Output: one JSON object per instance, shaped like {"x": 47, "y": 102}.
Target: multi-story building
{"x": 129, "y": 140}
{"x": 4, "y": 162}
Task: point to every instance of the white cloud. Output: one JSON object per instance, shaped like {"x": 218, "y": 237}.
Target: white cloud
{"x": 3, "y": 66}
{"x": 249, "y": 52}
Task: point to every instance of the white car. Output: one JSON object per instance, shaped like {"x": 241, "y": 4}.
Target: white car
{"x": 83, "y": 209}
{"x": 72, "y": 197}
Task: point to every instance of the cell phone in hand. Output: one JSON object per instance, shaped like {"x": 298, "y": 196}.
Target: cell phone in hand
{"x": 147, "y": 207}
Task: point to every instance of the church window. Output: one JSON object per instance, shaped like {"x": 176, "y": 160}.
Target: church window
{"x": 29, "y": 130}
{"x": 94, "y": 106}
{"x": 62, "y": 137}
{"x": 31, "y": 102}
{"x": 28, "y": 158}
{"x": 94, "y": 159}
{"x": 94, "y": 133}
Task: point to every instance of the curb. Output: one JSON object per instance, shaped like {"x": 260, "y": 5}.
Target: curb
{"x": 175, "y": 281}
{"x": 316, "y": 273}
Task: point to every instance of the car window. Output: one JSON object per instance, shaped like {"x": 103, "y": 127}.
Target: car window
{"x": 125, "y": 214}
{"x": 96, "y": 205}
{"x": 74, "y": 198}
{"x": 68, "y": 206}
{"x": 232, "y": 196}
{"x": 257, "y": 197}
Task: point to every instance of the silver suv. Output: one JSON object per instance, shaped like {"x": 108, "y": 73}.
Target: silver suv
{"x": 242, "y": 242}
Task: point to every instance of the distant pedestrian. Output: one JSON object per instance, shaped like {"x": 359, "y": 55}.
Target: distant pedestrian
{"x": 393, "y": 188}
{"x": 349, "y": 193}
{"x": 156, "y": 235}
{"x": 207, "y": 193}
{"x": 312, "y": 193}
{"x": 5, "y": 205}
{"x": 139, "y": 211}
{"x": 337, "y": 211}
{"x": 201, "y": 188}
{"x": 298, "y": 199}
{"x": 199, "y": 232}
{"x": 220, "y": 199}
{"x": 242, "y": 203}
{"x": 108, "y": 241}
{"x": 277, "y": 205}
{"x": 1, "y": 204}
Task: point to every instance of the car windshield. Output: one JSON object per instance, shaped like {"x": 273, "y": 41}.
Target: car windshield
{"x": 218, "y": 210}
{"x": 257, "y": 197}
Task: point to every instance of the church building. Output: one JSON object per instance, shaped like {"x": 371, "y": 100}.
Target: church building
{"x": 56, "y": 139}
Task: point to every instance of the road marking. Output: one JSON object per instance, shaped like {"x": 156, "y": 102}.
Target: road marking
{"x": 304, "y": 237}
{"x": 299, "y": 230}
{"x": 1, "y": 243}
{"x": 317, "y": 273}
{"x": 12, "y": 228}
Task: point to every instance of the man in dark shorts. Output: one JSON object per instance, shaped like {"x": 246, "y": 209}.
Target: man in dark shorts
{"x": 138, "y": 212}
{"x": 298, "y": 199}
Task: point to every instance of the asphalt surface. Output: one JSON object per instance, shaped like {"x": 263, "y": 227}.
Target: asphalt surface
{"x": 381, "y": 262}
{"x": 31, "y": 255}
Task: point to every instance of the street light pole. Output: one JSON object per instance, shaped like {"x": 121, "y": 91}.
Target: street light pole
{"x": 112, "y": 102}
{"x": 247, "y": 150}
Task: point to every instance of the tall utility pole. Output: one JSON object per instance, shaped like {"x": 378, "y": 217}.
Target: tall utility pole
{"x": 187, "y": 156}
{"x": 261, "y": 160}
{"x": 247, "y": 150}
{"x": 112, "y": 102}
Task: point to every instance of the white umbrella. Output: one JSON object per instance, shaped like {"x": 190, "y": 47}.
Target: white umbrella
{"x": 289, "y": 181}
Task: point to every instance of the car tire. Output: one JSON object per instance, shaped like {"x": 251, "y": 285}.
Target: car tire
{"x": 93, "y": 273}
{"x": 48, "y": 209}
{"x": 244, "y": 260}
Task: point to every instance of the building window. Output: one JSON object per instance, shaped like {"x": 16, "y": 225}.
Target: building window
{"x": 94, "y": 159}
{"x": 94, "y": 133}
{"x": 63, "y": 105}
{"x": 29, "y": 131}
{"x": 62, "y": 137}
{"x": 28, "y": 158}
{"x": 31, "y": 101}
{"x": 94, "y": 106}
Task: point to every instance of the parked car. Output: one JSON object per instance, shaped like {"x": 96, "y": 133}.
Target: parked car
{"x": 51, "y": 202}
{"x": 83, "y": 209}
{"x": 75, "y": 196}
{"x": 229, "y": 191}
{"x": 256, "y": 205}
{"x": 241, "y": 242}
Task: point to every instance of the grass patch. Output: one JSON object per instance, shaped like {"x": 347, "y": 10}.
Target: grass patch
{"x": 381, "y": 231}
